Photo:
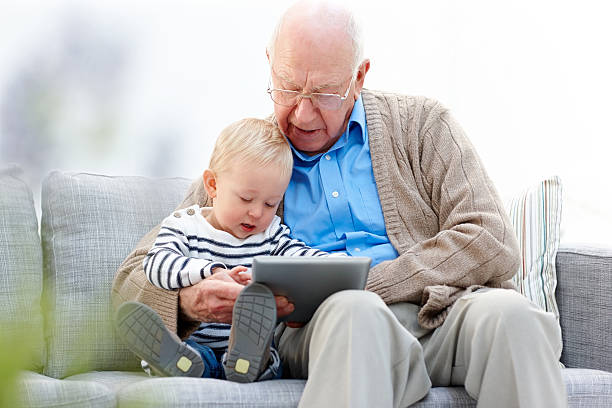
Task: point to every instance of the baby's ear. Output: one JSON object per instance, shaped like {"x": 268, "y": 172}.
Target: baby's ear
{"x": 210, "y": 183}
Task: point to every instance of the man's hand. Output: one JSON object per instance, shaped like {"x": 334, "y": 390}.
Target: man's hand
{"x": 212, "y": 299}
{"x": 283, "y": 307}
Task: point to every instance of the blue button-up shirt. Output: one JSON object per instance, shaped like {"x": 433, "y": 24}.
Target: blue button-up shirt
{"x": 332, "y": 202}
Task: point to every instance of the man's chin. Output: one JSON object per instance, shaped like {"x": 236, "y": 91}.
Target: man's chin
{"x": 307, "y": 142}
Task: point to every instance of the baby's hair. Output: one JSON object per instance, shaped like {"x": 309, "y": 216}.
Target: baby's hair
{"x": 254, "y": 141}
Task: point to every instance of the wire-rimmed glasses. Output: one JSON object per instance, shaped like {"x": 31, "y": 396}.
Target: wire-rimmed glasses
{"x": 325, "y": 101}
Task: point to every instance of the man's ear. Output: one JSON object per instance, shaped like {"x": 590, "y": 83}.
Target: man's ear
{"x": 363, "y": 69}
{"x": 210, "y": 183}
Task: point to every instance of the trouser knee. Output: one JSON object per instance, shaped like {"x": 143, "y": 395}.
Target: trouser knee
{"x": 361, "y": 303}
{"x": 508, "y": 309}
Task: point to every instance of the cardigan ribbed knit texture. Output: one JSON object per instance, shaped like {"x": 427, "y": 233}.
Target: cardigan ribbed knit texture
{"x": 442, "y": 215}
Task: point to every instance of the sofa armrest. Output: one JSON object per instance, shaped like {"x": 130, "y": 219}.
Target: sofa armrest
{"x": 584, "y": 296}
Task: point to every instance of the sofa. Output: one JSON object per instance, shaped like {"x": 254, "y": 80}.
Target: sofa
{"x": 59, "y": 348}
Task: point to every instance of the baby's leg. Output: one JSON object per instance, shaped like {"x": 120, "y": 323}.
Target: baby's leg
{"x": 253, "y": 323}
{"x": 145, "y": 334}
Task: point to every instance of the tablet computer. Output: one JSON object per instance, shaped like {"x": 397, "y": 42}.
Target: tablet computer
{"x": 307, "y": 280}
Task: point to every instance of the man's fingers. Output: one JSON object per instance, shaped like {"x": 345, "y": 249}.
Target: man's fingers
{"x": 225, "y": 289}
{"x": 283, "y": 307}
{"x": 281, "y": 301}
{"x": 221, "y": 275}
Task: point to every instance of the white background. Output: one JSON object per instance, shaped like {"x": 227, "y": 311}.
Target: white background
{"x": 144, "y": 87}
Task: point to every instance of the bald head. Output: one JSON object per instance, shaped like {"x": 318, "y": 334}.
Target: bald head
{"x": 329, "y": 27}
{"x": 316, "y": 52}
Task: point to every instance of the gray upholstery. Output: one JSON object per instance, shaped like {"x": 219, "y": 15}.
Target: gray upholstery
{"x": 588, "y": 388}
{"x": 584, "y": 296}
{"x": 39, "y": 391}
{"x": 585, "y": 388}
{"x": 89, "y": 225}
{"x": 444, "y": 397}
{"x": 20, "y": 273}
{"x": 91, "y": 222}
{"x": 114, "y": 380}
{"x": 198, "y": 392}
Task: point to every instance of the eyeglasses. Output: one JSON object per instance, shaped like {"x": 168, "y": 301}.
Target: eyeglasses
{"x": 325, "y": 101}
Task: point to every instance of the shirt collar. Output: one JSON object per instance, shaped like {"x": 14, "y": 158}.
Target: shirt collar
{"x": 357, "y": 117}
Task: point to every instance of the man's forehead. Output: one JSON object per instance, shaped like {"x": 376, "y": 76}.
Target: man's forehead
{"x": 305, "y": 52}
{"x": 318, "y": 78}
{"x": 314, "y": 73}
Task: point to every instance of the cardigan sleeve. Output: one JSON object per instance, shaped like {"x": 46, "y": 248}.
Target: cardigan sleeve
{"x": 131, "y": 284}
{"x": 472, "y": 244}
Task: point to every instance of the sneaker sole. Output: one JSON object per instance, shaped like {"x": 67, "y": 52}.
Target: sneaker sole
{"x": 253, "y": 323}
{"x": 145, "y": 334}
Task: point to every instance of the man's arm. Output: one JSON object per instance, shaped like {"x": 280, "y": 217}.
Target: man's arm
{"x": 130, "y": 282}
{"x": 466, "y": 240}
{"x": 212, "y": 299}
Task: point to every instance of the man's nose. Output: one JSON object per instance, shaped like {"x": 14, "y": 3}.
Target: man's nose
{"x": 304, "y": 110}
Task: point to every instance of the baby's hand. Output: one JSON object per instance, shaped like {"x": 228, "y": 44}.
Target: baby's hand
{"x": 240, "y": 275}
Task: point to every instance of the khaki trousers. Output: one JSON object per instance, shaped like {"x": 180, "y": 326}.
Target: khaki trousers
{"x": 358, "y": 352}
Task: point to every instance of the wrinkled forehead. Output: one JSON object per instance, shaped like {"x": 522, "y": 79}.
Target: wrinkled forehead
{"x": 311, "y": 55}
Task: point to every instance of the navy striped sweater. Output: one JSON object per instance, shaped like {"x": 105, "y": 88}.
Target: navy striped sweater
{"x": 187, "y": 249}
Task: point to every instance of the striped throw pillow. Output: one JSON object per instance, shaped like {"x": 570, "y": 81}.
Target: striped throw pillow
{"x": 536, "y": 217}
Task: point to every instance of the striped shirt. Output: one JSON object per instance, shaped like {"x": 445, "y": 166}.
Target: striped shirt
{"x": 188, "y": 248}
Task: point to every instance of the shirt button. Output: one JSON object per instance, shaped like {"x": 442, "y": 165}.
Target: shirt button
{"x": 335, "y": 194}
{"x": 327, "y": 157}
{"x": 357, "y": 249}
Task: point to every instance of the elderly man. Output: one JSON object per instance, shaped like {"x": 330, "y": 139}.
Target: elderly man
{"x": 394, "y": 178}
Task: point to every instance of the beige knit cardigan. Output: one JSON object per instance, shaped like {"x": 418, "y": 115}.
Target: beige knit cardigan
{"x": 441, "y": 211}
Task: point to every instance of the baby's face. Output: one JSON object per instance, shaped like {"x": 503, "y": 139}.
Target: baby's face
{"x": 247, "y": 198}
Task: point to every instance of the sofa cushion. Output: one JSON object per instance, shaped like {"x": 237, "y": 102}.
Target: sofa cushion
{"x": 207, "y": 392}
{"x": 114, "y": 380}
{"x": 584, "y": 294}
{"x": 585, "y": 388}
{"x": 37, "y": 390}
{"x": 21, "y": 337}
{"x": 536, "y": 217}
{"x": 588, "y": 388}
{"x": 446, "y": 397}
{"x": 90, "y": 223}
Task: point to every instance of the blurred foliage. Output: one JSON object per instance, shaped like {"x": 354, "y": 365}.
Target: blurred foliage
{"x": 18, "y": 343}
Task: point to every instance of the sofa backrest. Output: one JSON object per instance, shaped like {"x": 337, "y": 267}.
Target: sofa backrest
{"x": 584, "y": 295}
{"x": 21, "y": 276}
{"x": 89, "y": 224}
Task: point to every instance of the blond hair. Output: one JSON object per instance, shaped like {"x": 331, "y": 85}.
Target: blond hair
{"x": 255, "y": 141}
